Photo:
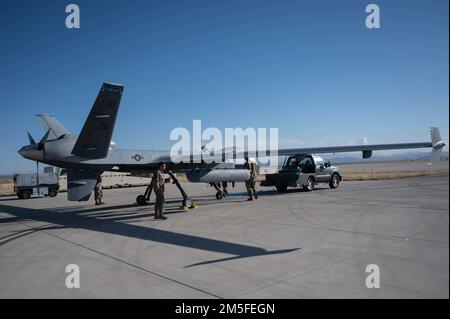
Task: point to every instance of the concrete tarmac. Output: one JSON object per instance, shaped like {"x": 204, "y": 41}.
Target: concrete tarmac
{"x": 294, "y": 245}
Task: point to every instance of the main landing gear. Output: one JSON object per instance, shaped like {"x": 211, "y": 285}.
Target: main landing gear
{"x": 221, "y": 193}
{"x": 187, "y": 202}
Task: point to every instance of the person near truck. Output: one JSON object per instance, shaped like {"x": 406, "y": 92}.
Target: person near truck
{"x": 251, "y": 182}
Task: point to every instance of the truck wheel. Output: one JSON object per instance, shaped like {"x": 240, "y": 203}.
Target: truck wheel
{"x": 53, "y": 192}
{"x": 281, "y": 188}
{"x": 26, "y": 194}
{"x": 334, "y": 182}
{"x": 309, "y": 184}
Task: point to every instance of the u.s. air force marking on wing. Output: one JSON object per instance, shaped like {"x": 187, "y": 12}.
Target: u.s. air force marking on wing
{"x": 137, "y": 157}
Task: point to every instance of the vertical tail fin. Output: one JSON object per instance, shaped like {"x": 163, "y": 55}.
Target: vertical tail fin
{"x": 95, "y": 137}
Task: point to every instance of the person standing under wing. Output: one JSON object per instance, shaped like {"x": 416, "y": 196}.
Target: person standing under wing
{"x": 251, "y": 182}
{"x": 98, "y": 191}
{"x": 158, "y": 181}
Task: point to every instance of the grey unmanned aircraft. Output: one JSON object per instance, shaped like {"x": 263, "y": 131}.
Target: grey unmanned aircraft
{"x": 89, "y": 154}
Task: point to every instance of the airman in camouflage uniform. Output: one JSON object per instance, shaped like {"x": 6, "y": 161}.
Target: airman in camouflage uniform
{"x": 98, "y": 191}
{"x": 158, "y": 181}
{"x": 250, "y": 184}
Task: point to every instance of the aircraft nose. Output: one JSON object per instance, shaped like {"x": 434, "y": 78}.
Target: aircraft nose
{"x": 30, "y": 152}
{"x": 22, "y": 152}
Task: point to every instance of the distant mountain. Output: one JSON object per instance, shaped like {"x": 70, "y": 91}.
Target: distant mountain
{"x": 11, "y": 175}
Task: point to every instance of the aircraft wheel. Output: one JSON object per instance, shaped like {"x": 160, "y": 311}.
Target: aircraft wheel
{"x": 141, "y": 200}
{"x": 188, "y": 203}
{"x": 219, "y": 195}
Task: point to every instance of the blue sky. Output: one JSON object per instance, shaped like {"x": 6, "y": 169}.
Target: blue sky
{"x": 310, "y": 68}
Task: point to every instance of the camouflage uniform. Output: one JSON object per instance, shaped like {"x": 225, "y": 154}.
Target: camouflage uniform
{"x": 158, "y": 182}
{"x": 250, "y": 184}
{"x": 98, "y": 193}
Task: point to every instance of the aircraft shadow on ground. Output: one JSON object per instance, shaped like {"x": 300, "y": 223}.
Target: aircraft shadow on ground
{"x": 115, "y": 224}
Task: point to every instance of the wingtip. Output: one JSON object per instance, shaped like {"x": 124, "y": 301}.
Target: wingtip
{"x": 113, "y": 84}
{"x": 113, "y": 87}
{"x": 43, "y": 114}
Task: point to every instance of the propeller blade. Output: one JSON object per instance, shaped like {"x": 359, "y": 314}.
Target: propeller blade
{"x": 43, "y": 140}
{"x": 31, "y": 139}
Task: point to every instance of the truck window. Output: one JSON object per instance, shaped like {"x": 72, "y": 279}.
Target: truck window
{"x": 306, "y": 161}
{"x": 292, "y": 162}
{"x": 307, "y": 165}
{"x": 320, "y": 162}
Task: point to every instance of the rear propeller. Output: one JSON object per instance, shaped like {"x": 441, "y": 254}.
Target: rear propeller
{"x": 31, "y": 139}
{"x": 39, "y": 146}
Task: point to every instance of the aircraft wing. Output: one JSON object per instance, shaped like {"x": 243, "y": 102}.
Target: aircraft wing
{"x": 95, "y": 137}
{"x": 436, "y": 144}
{"x": 366, "y": 149}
